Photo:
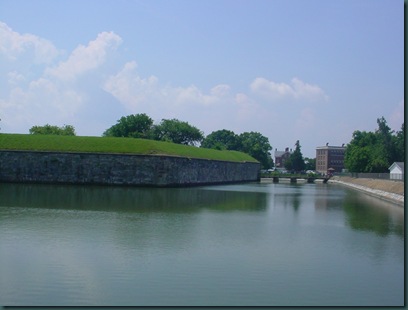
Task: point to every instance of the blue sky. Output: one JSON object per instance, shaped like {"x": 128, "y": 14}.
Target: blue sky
{"x": 313, "y": 71}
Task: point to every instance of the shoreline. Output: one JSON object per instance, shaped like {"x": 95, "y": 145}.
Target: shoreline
{"x": 380, "y": 191}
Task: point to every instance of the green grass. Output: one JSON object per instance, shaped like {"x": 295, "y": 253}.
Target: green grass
{"x": 28, "y": 142}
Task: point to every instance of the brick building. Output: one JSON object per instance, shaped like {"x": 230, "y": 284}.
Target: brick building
{"x": 330, "y": 159}
{"x": 281, "y": 157}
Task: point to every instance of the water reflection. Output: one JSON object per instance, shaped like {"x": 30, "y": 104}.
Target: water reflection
{"x": 367, "y": 213}
{"x": 289, "y": 195}
{"x": 128, "y": 199}
{"x": 252, "y": 244}
{"x": 328, "y": 197}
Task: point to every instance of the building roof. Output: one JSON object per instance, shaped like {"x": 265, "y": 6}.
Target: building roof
{"x": 279, "y": 153}
{"x": 399, "y": 164}
{"x": 330, "y": 147}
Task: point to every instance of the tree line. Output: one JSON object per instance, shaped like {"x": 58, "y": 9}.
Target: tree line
{"x": 180, "y": 132}
{"x": 66, "y": 130}
{"x": 375, "y": 151}
{"x": 366, "y": 152}
{"x": 176, "y": 131}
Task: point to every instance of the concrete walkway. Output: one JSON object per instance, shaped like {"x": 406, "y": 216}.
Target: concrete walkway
{"x": 383, "y": 194}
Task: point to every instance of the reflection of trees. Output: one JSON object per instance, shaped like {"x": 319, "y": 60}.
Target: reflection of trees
{"x": 141, "y": 219}
{"x": 371, "y": 214}
{"x": 328, "y": 197}
{"x": 128, "y": 199}
{"x": 292, "y": 199}
{"x": 296, "y": 201}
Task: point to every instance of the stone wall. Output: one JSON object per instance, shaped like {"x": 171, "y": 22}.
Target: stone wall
{"x": 121, "y": 169}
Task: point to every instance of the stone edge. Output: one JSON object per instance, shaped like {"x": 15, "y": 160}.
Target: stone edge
{"x": 395, "y": 198}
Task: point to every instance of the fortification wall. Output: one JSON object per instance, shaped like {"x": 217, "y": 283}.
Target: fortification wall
{"x": 121, "y": 169}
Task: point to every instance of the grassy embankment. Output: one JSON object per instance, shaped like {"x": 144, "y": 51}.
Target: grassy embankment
{"x": 26, "y": 142}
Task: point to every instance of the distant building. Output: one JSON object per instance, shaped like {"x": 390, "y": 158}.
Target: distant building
{"x": 330, "y": 159}
{"x": 281, "y": 157}
{"x": 397, "y": 171}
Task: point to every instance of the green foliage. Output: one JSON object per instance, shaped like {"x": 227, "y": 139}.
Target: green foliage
{"x": 296, "y": 161}
{"x": 141, "y": 126}
{"x": 179, "y": 132}
{"x": 252, "y": 143}
{"x": 288, "y": 164}
{"x": 66, "y": 130}
{"x": 173, "y": 130}
{"x": 132, "y": 126}
{"x": 400, "y": 144}
{"x": 310, "y": 163}
{"x": 374, "y": 151}
{"x": 356, "y": 158}
{"x": 114, "y": 145}
{"x": 222, "y": 140}
{"x": 256, "y": 145}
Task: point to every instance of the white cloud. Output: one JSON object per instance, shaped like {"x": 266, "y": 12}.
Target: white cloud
{"x": 193, "y": 95}
{"x": 129, "y": 88}
{"x": 86, "y": 58}
{"x": 50, "y": 94}
{"x": 218, "y": 108}
{"x": 136, "y": 92}
{"x": 306, "y": 91}
{"x": 43, "y": 101}
{"x": 271, "y": 89}
{"x": 15, "y": 77}
{"x": 44, "y": 96}
{"x": 297, "y": 90}
{"x": 246, "y": 108}
{"x": 13, "y": 45}
{"x": 220, "y": 90}
{"x": 35, "y": 95}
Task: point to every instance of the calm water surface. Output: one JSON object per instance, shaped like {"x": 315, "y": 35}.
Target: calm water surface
{"x": 235, "y": 245}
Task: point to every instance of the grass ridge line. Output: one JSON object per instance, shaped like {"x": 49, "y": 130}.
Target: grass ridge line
{"x": 112, "y": 145}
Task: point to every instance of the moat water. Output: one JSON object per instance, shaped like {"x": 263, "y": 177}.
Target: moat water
{"x": 234, "y": 245}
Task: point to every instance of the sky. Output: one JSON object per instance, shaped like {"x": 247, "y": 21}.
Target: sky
{"x": 307, "y": 70}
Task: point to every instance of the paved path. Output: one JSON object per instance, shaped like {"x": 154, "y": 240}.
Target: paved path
{"x": 388, "y": 190}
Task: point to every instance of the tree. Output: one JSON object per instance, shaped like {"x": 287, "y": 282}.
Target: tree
{"x": 176, "y": 131}
{"x": 288, "y": 164}
{"x": 310, "y": 163}
{"x": 256, "y": 145}
{"x": 400, "y": 144}
{"x": 66, "y": 130}
{"x": 374, "y": 151}
{"x": 252, "y": 143}
{"x": 385, "y": 141}
{"x": 134, "y": 126}
{"x": 360, "y": 151}
{"x": 222, "y": 140}
{"x": 296, "y": 161}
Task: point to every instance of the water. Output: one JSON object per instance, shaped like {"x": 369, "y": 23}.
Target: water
{"x": 235, "y": 245}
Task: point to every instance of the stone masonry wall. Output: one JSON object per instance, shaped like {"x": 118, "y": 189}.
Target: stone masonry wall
{"x": 120, "y": 169}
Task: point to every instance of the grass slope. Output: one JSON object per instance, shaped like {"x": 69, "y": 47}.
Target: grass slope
{"x": 28, "y": 142}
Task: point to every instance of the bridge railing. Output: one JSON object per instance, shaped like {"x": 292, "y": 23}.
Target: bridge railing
{"x": 291, "y": 175}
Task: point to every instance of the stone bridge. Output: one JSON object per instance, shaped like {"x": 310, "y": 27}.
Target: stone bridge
{"x": 295, "y": 179}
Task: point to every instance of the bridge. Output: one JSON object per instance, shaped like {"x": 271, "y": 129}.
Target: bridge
{"x": 295, "y": 179}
